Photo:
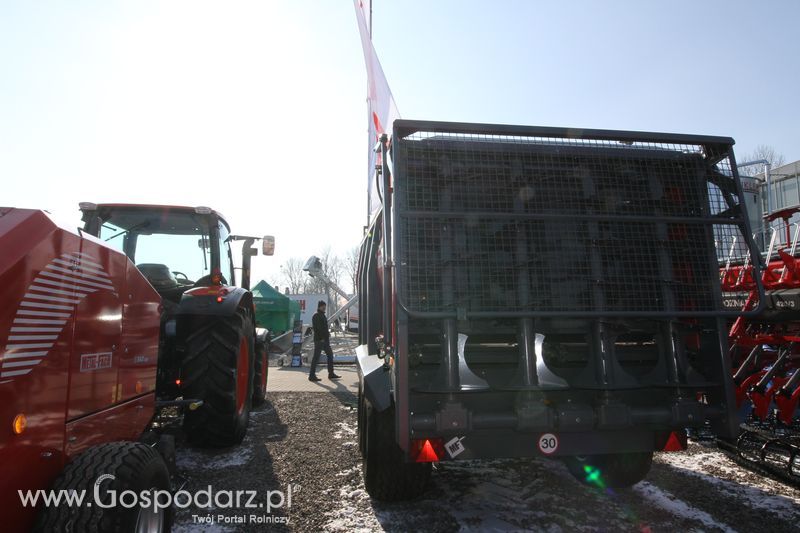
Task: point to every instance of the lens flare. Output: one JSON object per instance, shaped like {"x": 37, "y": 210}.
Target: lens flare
{"x": 594, "y": 476}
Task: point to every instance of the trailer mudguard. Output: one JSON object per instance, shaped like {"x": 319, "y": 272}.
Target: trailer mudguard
{"x": 375, "y": 380}
{"x": 214, "y": 301}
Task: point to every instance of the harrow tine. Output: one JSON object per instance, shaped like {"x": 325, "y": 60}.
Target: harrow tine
{"x": 783, "y": 355}
{"x": 750, "y": 362}
{"x": 743, "y": 389}
{"x": 762, "y": 393}
{"x": 792, "y": 250}
{"x": 787, "y": 398}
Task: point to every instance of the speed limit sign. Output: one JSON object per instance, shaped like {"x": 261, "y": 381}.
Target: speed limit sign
{"x": 548, "y": 444}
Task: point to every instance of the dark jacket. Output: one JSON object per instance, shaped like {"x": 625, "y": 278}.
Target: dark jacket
{"x": 320, "y": 324}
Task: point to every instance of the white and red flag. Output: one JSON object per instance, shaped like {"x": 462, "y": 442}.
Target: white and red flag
{"x": 380, "y": 102}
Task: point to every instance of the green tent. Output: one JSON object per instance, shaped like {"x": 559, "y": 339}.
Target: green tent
{"x": 274, "y": 311}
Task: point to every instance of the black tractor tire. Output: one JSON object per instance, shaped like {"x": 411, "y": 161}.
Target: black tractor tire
{"x": 387, "y": 476}
{"x": 210, "y": 371}
{"x": 617, "y": 471}
{"x": 362, "y": 429}
{"x": 260, "y": 373}
{"x": 135, "y": 467}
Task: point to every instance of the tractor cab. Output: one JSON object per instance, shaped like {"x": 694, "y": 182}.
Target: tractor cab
{"x": 175, "y": 248}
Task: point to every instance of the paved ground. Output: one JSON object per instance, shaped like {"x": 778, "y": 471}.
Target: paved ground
{"x": 303, "y": 443}
{"x": 288, "y": 379}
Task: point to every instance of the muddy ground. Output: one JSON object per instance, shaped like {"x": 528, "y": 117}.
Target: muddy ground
{"x": 306, "y": 443}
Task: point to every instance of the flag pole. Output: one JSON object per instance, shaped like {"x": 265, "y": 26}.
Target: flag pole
{"x": 369, "y": 118}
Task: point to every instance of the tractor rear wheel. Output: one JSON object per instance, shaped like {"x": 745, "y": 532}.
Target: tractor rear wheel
{"x": 261, "y": 373}
{"x": 218, "y": 369}
{"x": 618, "y": 470}
{"x": 387, "y": 476}
{"x": 117, "y": 467}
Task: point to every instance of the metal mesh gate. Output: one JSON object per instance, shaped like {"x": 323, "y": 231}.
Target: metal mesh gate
{"x": 501, "y": 223}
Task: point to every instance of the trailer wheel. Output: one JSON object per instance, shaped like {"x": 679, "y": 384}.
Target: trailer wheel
{"x": 130, "y": 466}
{"x": 362, "y": 434}
{"x": 261, "y": 373}
{"x": 218, "y": 369}
{"x": 387, "y": 477}
{"x": 619, "y": 470}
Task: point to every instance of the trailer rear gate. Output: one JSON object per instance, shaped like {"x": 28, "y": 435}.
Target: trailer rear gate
{"x": 578, "y": 263}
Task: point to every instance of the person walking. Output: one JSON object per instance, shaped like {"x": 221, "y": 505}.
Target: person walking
{"x": 322, "y": 341}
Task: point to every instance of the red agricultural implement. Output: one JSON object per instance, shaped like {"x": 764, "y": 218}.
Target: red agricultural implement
{"x": 765, "y": 351}
{"x": 97, "y": 334}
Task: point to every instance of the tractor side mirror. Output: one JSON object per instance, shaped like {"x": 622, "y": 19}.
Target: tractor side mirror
{"x": 268, "y": 245}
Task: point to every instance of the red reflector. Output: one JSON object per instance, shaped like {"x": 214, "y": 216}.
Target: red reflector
{"x": 427, "y": 450}
{"x": 675, "y": 442}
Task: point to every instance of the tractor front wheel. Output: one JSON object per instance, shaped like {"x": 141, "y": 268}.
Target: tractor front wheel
{"x": 218, "y": 369}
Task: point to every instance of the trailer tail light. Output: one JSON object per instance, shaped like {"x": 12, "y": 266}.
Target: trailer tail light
{"x": 676, "y": 442}
{"x": 19, "y": 424}
{"x": 178, "y": 382}
{"x": 427, "y": 450}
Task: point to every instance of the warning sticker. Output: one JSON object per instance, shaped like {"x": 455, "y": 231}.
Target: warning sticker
{"x": 454, "y": 447}
{"x": 548, "y": 444}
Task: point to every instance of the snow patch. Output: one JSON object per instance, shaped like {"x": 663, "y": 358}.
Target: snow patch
{"x": 349, "y": 471}
{"x": 670, "y": 503}
{"x": 345, "y": 430}
{"x": 189, "y": 459}
{"x": 757, "y": 491}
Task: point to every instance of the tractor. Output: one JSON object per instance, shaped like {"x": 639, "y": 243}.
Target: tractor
{"x": 98, "y": 335}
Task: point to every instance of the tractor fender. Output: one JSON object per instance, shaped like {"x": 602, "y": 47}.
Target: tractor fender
{"x": 375, "y": 380}
{"x": 214, "y": 301}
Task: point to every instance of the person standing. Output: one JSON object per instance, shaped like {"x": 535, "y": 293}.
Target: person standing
{"x": 322, "y": 341}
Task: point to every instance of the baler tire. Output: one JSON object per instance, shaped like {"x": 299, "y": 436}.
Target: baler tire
{"x": 387, "y": 476}
{"x": 261, "y": 374}
{"x": 134, "y": 466}
{"x": 209, "y": 372}
{"x": 617, "y": 471}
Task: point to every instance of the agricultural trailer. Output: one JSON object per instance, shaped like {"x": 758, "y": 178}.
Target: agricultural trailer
{"x": 544, "y": 292}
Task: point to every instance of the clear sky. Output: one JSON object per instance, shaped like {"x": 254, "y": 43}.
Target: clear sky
{"x": 258, "y": 108}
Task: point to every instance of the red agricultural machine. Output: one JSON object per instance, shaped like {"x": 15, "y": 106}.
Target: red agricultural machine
{"x": 99, "y": 335}
{"x": 765, "y": 351}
